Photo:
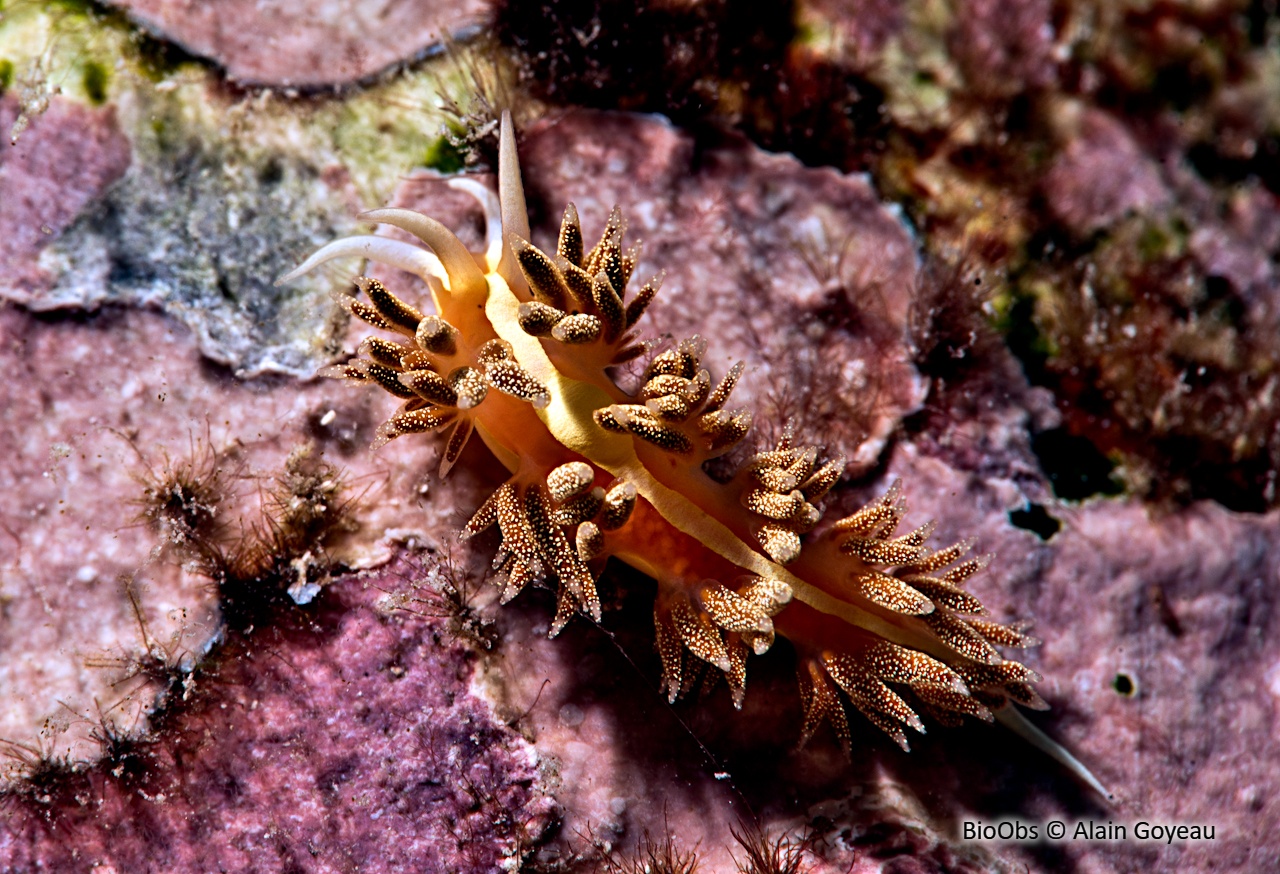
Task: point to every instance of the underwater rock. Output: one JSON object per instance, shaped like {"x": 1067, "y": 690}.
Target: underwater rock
{"x": 1101, "y": 174}
{"x": 1160, "y": 634}
{"x": 97, "y": 410}
{"x": 281, "y": 44}
{"x": 68, "y": 156}
{"x": 305, "y": 751}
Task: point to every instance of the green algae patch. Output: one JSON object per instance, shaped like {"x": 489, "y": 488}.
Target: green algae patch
{"x": 916, "y": 69}
{"x": 94, "y": 79}
{"x": 78, "y": 51}
{"x": 444, "y": 156}
{"x": 210, "y": 212}
{"x": 227, "y": 188}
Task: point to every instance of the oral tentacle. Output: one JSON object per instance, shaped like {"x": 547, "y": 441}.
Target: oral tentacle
{"x": 463, "y": 278}
{"x": 488, "y": 201}
{"x": 393, "y": 253}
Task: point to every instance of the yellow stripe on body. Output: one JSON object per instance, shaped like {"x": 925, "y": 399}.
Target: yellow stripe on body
{"x": 569, "y": 419}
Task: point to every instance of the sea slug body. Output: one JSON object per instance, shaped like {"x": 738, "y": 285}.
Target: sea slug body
{"x": 518, "y": 351}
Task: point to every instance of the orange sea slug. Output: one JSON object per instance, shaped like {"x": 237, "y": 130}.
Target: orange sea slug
{"x": 519, "y": 350}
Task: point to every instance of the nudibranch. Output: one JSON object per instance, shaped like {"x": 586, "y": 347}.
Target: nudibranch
{"x": 519, "y": 351}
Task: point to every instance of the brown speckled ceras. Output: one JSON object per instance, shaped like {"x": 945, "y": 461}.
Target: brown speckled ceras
{"x": 518, "y": 351}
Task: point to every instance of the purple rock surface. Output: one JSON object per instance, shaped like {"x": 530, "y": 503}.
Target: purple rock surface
{"x": 1100, "y": 175}
{"x": 284, "y": 44}
{"x": 349, "y": 741}
{"x": 96, "y": 407}
{"x": 68, "y": 157}
{"x": 348, "y": 736}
